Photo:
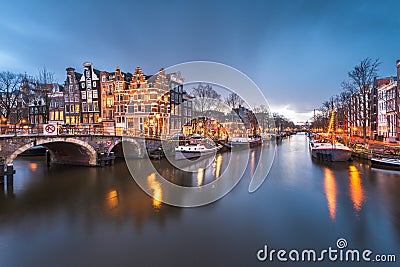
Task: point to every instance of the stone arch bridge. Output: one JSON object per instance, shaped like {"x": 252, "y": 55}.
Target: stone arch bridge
{"x": 75, "y": 150}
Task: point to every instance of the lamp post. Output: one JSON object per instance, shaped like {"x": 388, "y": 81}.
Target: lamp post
{"x": 99, "y": 121}
{"x": 4, "y": 128}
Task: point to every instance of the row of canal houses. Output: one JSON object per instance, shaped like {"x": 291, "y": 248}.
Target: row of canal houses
{"x": 382, "y": 109}
{"x": 120, "y": 102}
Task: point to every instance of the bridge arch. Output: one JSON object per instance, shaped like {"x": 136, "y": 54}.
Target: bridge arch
{"x": 128, "y": 147}
{"x": 58, "y": 147}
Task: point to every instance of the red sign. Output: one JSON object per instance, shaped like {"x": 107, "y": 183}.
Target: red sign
{"x": 49, "y": 129}
{"x": 109, "y": 143}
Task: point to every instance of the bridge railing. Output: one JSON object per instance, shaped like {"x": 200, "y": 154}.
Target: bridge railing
{"x": 64, "y": 130}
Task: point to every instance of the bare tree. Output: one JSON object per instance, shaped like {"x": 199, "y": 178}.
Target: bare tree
{"x": 233, "y": 100}
{"x": 10, "y": 91}
{"x": 44, "y": 86}
{"x": 361, "y": 81}
{"x": 264, "y": 118}
{"x": 206, "y": 98}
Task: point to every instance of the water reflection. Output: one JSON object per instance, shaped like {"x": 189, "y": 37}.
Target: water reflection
{"x": 330, "y": 192}
{"x": 218, "y": 164}
{"x": 33, "y": 166}
{"x": 356, "y": 189}
{"x": 157, "y": 190}
{"x": 112, "y": 199}
{"x": 200, "y": 176}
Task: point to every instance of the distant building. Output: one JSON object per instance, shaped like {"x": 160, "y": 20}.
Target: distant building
{"x": 89, "y": 85}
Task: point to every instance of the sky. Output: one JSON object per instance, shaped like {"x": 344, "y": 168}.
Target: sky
{"x": 297, "y": 52}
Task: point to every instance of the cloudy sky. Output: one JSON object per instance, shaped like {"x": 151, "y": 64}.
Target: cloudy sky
{"x": 297, "y": 52}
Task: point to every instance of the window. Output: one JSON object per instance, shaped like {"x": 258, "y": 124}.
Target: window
{"x": 139, "y": 96}
{"x": 131, "y": 109}
{"x": 139, "y": 108}
{"x": 95, "y": 94}
{"x": 83, "y": 85}
{"x": 83, "y": 95}
{"x": 94, "y": 84}
{"x": 67, "y": 108}
{"x": 118, "y": 78}
{"x": 147, "y": 108}
{"x": 89, "y": 85}
{"x": 84, "y": 107}
{"x": 103, "y": 78}
{"x": 77, "y": 108}
{"x": 72, "y": 108}
{"x": 95, "y": 106}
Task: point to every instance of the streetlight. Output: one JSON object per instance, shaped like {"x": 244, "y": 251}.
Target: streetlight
{"x": 3, "y": 121}
{"x": 99, "y": 121}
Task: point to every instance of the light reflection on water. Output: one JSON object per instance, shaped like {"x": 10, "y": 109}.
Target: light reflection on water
{"x": 356, "y": 189}
{"x": 330, "y": 192}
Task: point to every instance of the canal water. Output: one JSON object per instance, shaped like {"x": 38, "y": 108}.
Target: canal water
{"x": 79, "y": 216}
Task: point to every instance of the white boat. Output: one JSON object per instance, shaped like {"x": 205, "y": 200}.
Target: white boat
{"x": 385, "y": 163}
{"x": 330, "y": 151}
{"x": 196, "y": 147}
{"x": 324, "y": 146}
{"x": 194, "y": 151}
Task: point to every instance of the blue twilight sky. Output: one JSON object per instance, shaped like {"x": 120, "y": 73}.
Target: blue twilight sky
{"x": 297, "y": 52}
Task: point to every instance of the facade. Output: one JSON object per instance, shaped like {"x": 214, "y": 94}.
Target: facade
{"x": 175, "y": 82}
{"x": 39, "y": 102}
{"x": 107, "y": 101}
{"x": 72, "y": 103}
{"x": 384, "y": 91}
{"x": 89, "y": 85}
{"x": 121, "y": 99}
{"x": 56, "y": 108}
{"x": 148, "y": 108}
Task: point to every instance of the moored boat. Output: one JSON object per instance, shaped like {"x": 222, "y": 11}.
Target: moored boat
{"x": 244, "y": 142}
{"x": 194, "y": 151}
{"x": 330, "y": 151}
{"x": 385, "y": 163}
{"x": 325, "y": 147}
